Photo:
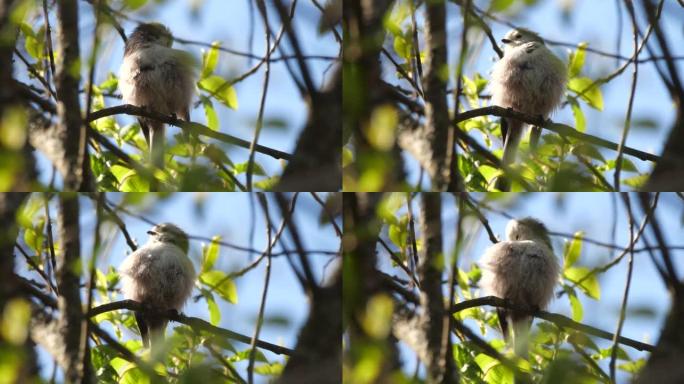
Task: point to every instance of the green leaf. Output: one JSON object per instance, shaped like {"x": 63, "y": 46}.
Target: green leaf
{"x": 588, "y": 150}
{"x": 268, "y": 183}
{"x": 636, "y": 182}
{"x": 110, "y": 84}
{"x": 210, "y": 254}
{"x": 35, "y": 45}
{"x": 210, "y": 59}
{"x": 593, "y": 95}
{"x": 501, "y": 5}
{"x": 580, "y": 121}
{"x": 214, "y": 312}
{"x": 402, "y": 46}
{"x": 633, "y": 367}
{"x": 573, "y": 250}
{"x": 577, "y": 312}
{"x": 210, "y": 113}
{"x": 389, "y": 205}
{"x": 382, "y": 127}
{"x": 135, "y": 4}
{"x": 221, "y": 284}
{"x": 129, "y": 180}
{"x": 398, "y": 235}
{"x": 627, "y": 165}
{"x": 242, "y": 168}
{"x": 577, "y": 60}
{"x": 273, "y": 369}
{"x": 589, "y": 285}
{"x": 220, "y": 89}
{"x": 489, "y": 172}
{"x": 377, "y": 318}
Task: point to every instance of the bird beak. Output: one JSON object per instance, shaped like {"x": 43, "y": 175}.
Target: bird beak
{"x": 151, "y": 232}
{"x": 505, "y": 41}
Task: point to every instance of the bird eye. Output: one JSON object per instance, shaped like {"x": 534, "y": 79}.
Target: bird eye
{"x": 518, "y": 35}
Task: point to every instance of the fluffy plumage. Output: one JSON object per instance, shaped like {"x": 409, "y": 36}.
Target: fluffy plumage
{"x": 522, "y": 269}
{"x": 155, "y": 76}
{"x": 160, "y": 276}
{"x": 529, "y": 78}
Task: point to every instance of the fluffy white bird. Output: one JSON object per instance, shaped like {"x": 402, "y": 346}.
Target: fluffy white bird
{"x": 155, "y": 76}
{"x": 524, "y": 270}
{"x": 529, "y": 78}
{"x": 160, "y": 276}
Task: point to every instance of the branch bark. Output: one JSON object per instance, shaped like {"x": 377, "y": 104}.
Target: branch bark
{"x": 316, "y": 162}
{"x": 72, "y": 325}
{"x": 434, "y": 87}
{"x": 439, "y": 361}
{"x": 74, "y": 167}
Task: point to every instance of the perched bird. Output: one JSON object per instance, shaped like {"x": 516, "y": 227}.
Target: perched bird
{"x": 524, "y": 270}
{"x": 160, "y": 276}
{"x": 157, "y": 77}
{"x": 529, "y": 79}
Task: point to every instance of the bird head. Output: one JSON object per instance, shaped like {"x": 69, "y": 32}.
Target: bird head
{"x": 170, "y": 233}
{"x": 149, "y": 33}
{"x": 528, "y": 229}
{"x": 519, "y": 36}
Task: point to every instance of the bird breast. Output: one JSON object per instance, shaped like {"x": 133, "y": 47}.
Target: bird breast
{"x": 158, "y": 78}
{"x": 158, "y": 275}
{"x": 522, "y": 271}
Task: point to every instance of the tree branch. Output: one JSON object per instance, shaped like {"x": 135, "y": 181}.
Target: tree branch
{"x": 196, "y": 128}
{"x": 559, "y": 320}
{"x": 561, "y": 129}
{"x": 195, "y": 323}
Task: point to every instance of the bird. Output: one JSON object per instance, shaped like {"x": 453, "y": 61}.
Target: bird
{"x": 529, "y": 78}
{"x": 524, "y": 270}
{"x": 156, "y": 77}
{"x": 160, "y": 276}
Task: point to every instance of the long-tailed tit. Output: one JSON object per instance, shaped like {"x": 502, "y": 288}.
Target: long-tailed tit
{"x": 529, "y": 79}
{"x": 155, "y": 76}
{"x": 524, "y": 270}
{"x": 160, "y": 276}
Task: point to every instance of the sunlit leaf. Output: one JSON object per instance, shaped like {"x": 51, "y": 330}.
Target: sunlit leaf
{"x": 377, "y": 319}
{"x": 589, "y": 285}
{"x": 590, "y": 92}
{"x": 577, "y": 60}
{"x": 573, "y": 250}
{"x": 210, "y": 59}
{"x": 214, "y": 312}
{"x": 210, "y": 254}
{"x": 580, "y": 121}
{"x": 210, "y": 114}
{"x": 221, "y": 89}
{"x": 222, "y": 284}
{"x": 383, "y": 124}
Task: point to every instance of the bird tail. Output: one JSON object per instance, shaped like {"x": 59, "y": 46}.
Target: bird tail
{"x": 151, "y": 330}
{"x": 143, "y": 328}
{"x": 521, "y": 336}
{"x": 513, "y": 133}
{"x": 157, "y": 326}
{"x": 157, "y": 144}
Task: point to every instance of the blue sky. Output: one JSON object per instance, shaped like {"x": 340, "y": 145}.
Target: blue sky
{"x": 591, "y": 213}
{"x": 227, "y": 215}
{"x": 595, "y": 22}
{"x": 229, "y": 23}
